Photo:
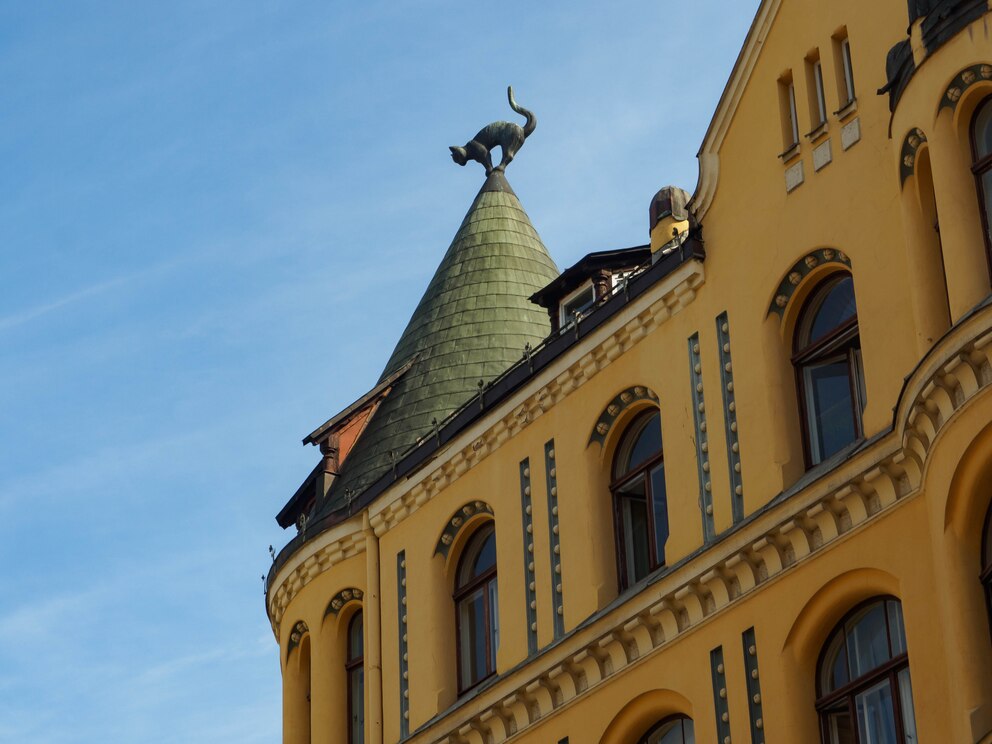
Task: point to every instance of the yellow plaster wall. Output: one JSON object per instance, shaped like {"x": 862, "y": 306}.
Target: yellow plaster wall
{"x": 922, "y": 550}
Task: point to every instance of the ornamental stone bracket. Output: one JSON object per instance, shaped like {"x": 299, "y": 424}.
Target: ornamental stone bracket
{"x": 799, "y": 527}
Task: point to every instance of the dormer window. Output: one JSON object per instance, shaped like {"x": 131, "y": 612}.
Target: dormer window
{"x": 576, "y": 304}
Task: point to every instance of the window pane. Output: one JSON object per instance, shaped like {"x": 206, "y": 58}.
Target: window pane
{"x": 906, "y": 703}
{"x": 983, "y": 131}
{"x": 830, "y": 408}
{"x": 679, "y": 731}
{"x": 834, "y": 309}
{"x": 355, "y": 639}
{"x": 839, "y": 726}
{"x": 634, "y": 514}
{"x": 645, "y": 445}
{"x": 479, "y": 555}
{"x": 987, "y": 196}
{"x": 659, "y": 502}
{"x": 897, "y": 632}
{"x": 867, "y": 640}
{"x": 988, "y": 540}
{"x": 876, "y": 716}
{"x": 833, "y": 673}
{"x": 486, "y": 558}
{"x": 472, "y": 637}
{"x": 356, "y": 683}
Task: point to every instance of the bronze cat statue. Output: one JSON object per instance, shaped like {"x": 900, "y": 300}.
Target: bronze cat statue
{"x": 506, "y": 135}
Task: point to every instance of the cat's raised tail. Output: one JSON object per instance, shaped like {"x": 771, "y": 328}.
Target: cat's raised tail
{"x": 531, "y": 124}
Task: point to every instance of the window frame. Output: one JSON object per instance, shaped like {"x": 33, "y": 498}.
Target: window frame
{"x": 841, "y": 338}
{"x": 986, "y": 574}
{"x": 664, "y": 722}
{"x": 354, "y": 664}
{"x": 819, "y": 92}
{"x": 888, "y": 671}
{"x": 979, "y": 167}
{"x": 642, "y": 471}
{"x": 462, "y": 592}
{"x": 565, "y": 319}
{"x": 847, "y": 65}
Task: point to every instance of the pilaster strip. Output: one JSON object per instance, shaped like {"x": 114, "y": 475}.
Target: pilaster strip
{"x": 557, "y": 598}
{"x": 730, "y": 418}
{"x": 753, "y": 687}
{"x": 720, "y": 695}
{"x": 702, "y": 439}
{"x": 403, "y": 645}
{"x": 530, "y": 582}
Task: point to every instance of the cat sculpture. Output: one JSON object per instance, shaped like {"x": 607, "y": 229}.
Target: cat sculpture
{"x": 505, "y": 135}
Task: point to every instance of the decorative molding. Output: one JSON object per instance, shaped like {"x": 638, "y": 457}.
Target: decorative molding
{"x": 794, "y": 530}
{"x": 456, "y": 523}
{"x": 702, "y": 439}
{"x": 404, "y": 649}
{"x": 961, "y": 82}
{"x": 730, "y": 418}
{"x": 530, "y": 575}
{"x": 800, "y": 269}
{"x": 615, "y": 408}
{"x": 557, "y": 596}
{"x": 673, "y": 294}
{"x": 721, "y": 705}
{"x": 753, "y": 686}
{"x": 343, "y": 597}
{"x": 300, "y": 629}
{"x": 709, "y": 152}
{"x": 907, "y": 158}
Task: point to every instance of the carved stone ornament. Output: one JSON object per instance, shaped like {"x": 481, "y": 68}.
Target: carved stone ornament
{"x": 343, "y": 597}
{"x": 299, "y": 630}
{"x": 794, "y": 276}
{"x": 616, "y": 407}
{"x": 457, "y": 523}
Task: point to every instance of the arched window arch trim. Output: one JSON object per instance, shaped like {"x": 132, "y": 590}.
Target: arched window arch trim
{"x": 964, "y": 85}
{"x": 914, "y": 140}
{"x": 803, "y": 275}
{"x": 462, "y": 523}
{"x": 616, "y": 411}
{"x": 342, "y": 599}
{"x": 296, "y": 636}
{"x": 981, "y": 168}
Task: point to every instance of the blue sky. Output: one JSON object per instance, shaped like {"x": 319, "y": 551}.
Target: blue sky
{"x": 216, "y": 218}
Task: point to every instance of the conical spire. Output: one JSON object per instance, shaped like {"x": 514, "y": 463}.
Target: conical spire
{"x": 471, "y": 324}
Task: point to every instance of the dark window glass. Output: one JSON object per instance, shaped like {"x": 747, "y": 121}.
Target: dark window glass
{"x": 476, "y": 609}
{"x": 640, "y": 499}
{"x": 676, "y": 730}
{"x": 829, "y": 369}
{"x": 981, "y": 150}
{"x": 987, "y": 561}
{"x": 863, "y": 677}
{"x": 355, "y": 669}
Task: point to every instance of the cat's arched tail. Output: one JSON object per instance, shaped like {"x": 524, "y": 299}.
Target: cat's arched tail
{"x": 531, "y": 124}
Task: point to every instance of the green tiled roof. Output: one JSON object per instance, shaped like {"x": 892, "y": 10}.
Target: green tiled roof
{"x": 471, "y": 324}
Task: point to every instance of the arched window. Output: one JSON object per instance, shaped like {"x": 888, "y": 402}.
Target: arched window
{"x": 673, "y": 730}
{"x": 981, "y": 150}
{"x": 355, "y": 669}
{"x": 864, "y": 690}
{"x": 639, "y": 501}
{"x": 987, "y": 560}
{"x": 829, "y": 372}
{"x": 477, "y": 609}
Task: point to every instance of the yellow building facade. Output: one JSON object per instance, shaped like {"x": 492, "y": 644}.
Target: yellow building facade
{"x": 737, "y": 488}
